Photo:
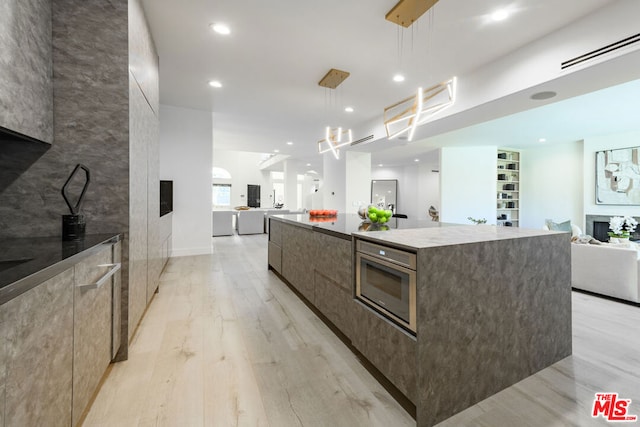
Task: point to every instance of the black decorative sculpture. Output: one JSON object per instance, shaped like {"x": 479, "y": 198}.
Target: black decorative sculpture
{"x": 73, "y": 226}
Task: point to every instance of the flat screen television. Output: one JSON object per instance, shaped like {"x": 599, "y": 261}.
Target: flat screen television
{"x": 166, "y": 197}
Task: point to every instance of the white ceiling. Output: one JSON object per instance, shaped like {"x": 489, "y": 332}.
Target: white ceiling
{"x": 278, "y": 51}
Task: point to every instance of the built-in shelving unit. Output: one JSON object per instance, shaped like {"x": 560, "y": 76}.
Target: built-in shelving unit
{"x": 508, "y": 188}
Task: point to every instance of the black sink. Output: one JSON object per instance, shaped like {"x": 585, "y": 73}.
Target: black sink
{"x": 10, "y": 263}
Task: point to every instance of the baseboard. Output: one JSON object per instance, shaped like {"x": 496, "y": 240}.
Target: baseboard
{"x": 190, "y": 251}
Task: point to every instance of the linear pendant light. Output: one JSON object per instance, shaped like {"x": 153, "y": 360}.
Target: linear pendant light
{"x": 334, "y": 139}
{"x": 406, "y": 115}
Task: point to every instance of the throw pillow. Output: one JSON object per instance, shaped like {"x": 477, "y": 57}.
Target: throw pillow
{"x": 562, "y": 226}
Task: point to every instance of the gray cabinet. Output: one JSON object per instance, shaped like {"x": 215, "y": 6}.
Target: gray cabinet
{"x": 37, "y": 347}
{"x": 297, "y": 260}
{"x": 92, "y": 329}
{"x": 165, "y": 239}
{"x": 275, "y": 245}
{"x": 26, "y": 86}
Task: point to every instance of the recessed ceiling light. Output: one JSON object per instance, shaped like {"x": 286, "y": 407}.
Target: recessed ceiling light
{"x": 220, "y": 28}
{"x": 276, "y": 151}
{"x": 416, "y": 160}
{"x": 348, "y": 109}
{"x": 379, "y": 164}
{"x": 398, "y": 78}
{"x": 308, "y": 164}
{"x": 215, "y": 83}
{"x": 542, "y": 140}
{"x": 500, "y": 15}
{"x": 289, "y": 143}
{"x": 543, "y": 95}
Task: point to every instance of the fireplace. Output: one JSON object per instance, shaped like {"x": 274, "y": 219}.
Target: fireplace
{"x": 597, "y": 226}
{"x": 600, "y": 231}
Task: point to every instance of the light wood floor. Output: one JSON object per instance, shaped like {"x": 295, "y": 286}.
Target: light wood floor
{"x": 226, "y": 343}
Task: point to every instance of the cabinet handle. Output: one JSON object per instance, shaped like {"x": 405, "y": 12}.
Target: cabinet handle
{"x": 101, "y": 281}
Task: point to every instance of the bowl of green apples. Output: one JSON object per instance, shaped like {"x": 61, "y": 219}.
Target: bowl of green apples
{"x": 377, "y": 215}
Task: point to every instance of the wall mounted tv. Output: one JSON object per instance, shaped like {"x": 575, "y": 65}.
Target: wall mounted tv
{"x": 166, "y": 197}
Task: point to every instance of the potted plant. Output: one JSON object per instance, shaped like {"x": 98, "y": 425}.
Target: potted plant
{"x": 477, "y": 221}
{"x": 621, "y": 228}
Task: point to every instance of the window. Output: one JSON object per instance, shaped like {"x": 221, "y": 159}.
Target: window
{"x": 221, "y": 195}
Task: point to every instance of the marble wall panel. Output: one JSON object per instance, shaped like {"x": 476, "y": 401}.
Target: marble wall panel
{"x": 332, "y": 257}
{"x": 489, "y": 314}
{"x": 391, "y": 350}
{"x": 26, "y": 87}
{"x": 39, "y": 351}
{"x": 91, "y": 330}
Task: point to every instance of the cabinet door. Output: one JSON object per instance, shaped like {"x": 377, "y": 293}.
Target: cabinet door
{"x": 37, "y": 342}
{"x": 26, "y": 86}
{"x": 92, "y": 327}
{"x": 297, "y": 260}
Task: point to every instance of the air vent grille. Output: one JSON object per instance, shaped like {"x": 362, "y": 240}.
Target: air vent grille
{"x": 599, "y": 52}
{"x": 361, "y": 140}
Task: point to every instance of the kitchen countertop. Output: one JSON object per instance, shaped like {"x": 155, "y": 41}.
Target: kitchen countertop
{"x": 343, "y": 225}
{"x": 27, "y": 262}
{"x": 409, "y": 233}
{"x": 454, "y": 235}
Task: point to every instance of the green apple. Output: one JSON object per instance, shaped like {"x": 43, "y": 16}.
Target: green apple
{"x": 382, "y": 220}
{"x": 388, "y": 213}
{"x": 373, "y": 216}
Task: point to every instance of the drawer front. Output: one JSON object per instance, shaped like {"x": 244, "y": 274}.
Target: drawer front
{"x": 275, "y": 231}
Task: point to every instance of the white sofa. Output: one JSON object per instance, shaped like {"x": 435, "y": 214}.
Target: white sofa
{"x": 222, "y": 223}
{"x": 607, "y": 270}
{"x": 251, "y": 221}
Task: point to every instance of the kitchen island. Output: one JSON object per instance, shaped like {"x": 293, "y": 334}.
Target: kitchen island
{"x": 493, "y": 304}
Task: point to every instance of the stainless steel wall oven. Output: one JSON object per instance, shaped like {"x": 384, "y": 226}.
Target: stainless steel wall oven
{"x": 386, "y": 281}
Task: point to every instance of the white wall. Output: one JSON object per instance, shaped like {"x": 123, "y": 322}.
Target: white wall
{"x": 185, "y": 158}
{"x": 333, "y": 190}
{"x": 244, "y": 170}
{"x": 468, "y": 184}
{"x": 358, "y": 180}
{"x": 418, "y": 188}
{"x": 551, "y": 184}
{"x": 429, "y": 185}
{"x": 599, "y": 143}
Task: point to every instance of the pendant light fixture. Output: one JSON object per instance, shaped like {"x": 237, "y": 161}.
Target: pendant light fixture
{"x": 406, "y": 115}
{"x": 334, "y": 137}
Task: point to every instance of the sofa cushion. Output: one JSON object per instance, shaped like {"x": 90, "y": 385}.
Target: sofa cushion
{"x": 562, "y": 226}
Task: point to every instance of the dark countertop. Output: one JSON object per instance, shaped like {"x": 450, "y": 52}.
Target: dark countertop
{"x": 27, "y": 262}
{"x": 343, "y": 225}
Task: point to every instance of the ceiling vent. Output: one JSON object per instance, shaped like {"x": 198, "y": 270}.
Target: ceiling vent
{"x": 599, "y": 52}
{"x": 361, "y": 140}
